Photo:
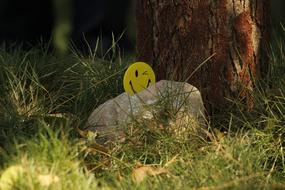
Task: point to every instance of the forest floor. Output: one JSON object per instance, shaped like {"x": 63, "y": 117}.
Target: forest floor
{"x": 45, "y": 100}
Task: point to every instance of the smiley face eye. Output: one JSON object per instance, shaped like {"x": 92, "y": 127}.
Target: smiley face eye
{"x": 137, "y": 73}
{"x": 145, "y": 73}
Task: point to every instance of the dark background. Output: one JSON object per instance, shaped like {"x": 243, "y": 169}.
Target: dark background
{"x": 35, "y": 21}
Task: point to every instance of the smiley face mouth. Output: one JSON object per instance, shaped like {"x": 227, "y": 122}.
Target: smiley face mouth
{"x": 133, "y": 89}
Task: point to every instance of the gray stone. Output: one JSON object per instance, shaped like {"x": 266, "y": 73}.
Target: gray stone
{"x": 180, "y": 99}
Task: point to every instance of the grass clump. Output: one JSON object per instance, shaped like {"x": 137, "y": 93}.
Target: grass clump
{"x": 49, "y": 160}
{"x": 45, "y": 100}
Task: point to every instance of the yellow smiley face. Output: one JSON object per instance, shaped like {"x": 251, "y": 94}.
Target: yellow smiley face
{"x": 138, "y": 77}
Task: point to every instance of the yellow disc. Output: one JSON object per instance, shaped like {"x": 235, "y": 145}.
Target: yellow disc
{"x": 138, "y": 77}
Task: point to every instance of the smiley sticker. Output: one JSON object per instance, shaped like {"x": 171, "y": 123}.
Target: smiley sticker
{"x": 138, "y": 77}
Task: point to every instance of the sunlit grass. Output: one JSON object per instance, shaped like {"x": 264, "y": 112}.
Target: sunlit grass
{"x": 45, "y": 100}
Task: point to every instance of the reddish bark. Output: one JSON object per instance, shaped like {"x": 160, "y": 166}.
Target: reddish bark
{"x": 177, "y": 36}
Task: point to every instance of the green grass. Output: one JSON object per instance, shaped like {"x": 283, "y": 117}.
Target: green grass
{"x": 46, "y": 98}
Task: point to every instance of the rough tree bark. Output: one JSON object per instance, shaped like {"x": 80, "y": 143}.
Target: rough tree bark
{"x": 177, "y": 36}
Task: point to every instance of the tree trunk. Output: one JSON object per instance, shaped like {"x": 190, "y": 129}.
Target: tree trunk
{"x": 177, "y": 36}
